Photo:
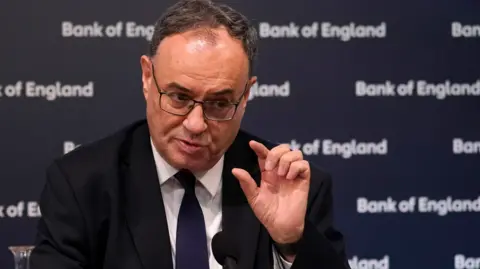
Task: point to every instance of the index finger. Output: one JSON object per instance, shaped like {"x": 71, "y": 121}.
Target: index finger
{"x": 260, "y": 149}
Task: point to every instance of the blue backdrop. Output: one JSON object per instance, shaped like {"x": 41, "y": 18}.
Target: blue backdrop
{"x": 383, "y": 94}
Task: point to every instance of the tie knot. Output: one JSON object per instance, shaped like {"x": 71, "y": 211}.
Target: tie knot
{"x": 187, "y": 179}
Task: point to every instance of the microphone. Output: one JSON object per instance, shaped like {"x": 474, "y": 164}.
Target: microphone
{"x": 224, "y": 250}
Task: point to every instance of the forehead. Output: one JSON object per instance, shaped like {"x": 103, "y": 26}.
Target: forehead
{"x": 202, "y": 59}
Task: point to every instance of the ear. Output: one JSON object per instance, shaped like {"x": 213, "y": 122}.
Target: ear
{"x": 250, "y": 83}
{"x": 147, "y": 77}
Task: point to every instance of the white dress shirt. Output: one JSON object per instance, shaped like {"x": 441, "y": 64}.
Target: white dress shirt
{"x": 209, "y": 195}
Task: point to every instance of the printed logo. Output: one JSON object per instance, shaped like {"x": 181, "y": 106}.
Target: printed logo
{"x": 463, "y": 262}
{"x": 421, "y": 204}
{"x": 69, "y": 146}
{"x": 345, "y": 149}
{"x": 292, "y": 30}
{"x": 463, "y": 147}
{"x": 464, "y": 30}
{"x": 120, "y": 29}
{"x": 50, "y": 92}
{"x": 419, "y": 88}
{"x": 29, "y": 209}
{"x": 359, "y": 263}
{"x": 353, "y": 31}
{"x": 327, "y": 30}
{"x": 269, "y": 90}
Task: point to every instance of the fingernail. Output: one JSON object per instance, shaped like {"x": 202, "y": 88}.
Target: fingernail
{"x": 268, "y": 165}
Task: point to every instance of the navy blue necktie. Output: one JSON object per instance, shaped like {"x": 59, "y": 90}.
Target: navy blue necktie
{"x": 191, "y": 242}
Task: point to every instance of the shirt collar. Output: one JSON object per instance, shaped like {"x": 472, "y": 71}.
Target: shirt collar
{"x": 210, "y": 179}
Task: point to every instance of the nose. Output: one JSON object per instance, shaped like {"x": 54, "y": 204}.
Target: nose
{"x": 195, "y": 122}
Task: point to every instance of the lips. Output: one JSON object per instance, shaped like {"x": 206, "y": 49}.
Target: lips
{"x": 189, "y": 146}
{"x": 191, "y": 143}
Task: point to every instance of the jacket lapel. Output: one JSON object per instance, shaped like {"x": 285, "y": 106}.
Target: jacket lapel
{"x": 239, "y": 221}
{"x": 145, "y": 212}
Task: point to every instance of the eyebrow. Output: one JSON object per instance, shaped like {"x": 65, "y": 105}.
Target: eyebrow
{"x": 179, "y": 87}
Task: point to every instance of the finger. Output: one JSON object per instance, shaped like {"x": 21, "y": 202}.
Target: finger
{"x": 300, "y": 169}
{"x": 274, "y": 156}
{"x": 247, "y": 183}
{"x": 286, "y": 159}
{"x": 259, "y": 149}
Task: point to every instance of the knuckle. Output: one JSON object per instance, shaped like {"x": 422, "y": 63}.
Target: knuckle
{"x": 278, "y": 152}
{"x": 297, "y": 165}
{"x": 295, "y": 155}
{"x": 283, "y": 158}
{"x": 274, "y": 151}
{"x": 306, "y": 164}
{"x": 289, "y": 156}
{"x": 292, "y": 156}
{"x": 281, "y": 149}
{"x": 299, "y": 153}
{"x": 273, "y": 155}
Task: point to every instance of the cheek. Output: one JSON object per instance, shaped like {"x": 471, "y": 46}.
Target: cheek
{"x": 215, "y": 131}
{"x": 163, "y": 123}
{"x": 223, "y": 133}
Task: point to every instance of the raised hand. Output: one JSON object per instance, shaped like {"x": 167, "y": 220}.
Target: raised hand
{"x": 280, "y": 203}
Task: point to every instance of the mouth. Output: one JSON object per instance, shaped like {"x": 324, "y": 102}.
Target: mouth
{"x": 191, "y": 143}
{"x": 189, "y": 146}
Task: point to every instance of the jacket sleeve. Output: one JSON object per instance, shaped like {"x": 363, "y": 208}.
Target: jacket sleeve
{"x": 321, "y": 247}
{"x": 60, "y": 240}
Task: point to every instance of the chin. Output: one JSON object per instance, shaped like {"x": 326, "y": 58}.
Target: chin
{"x": 194, "y": 164}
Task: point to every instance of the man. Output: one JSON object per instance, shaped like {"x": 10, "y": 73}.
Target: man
{"x": 155, "y": 193}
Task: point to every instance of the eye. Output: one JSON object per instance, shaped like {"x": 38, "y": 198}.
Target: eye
{"x": 179, "y": 97}
{"x": 220, "y": 104}
{"x": 223, "y": 103}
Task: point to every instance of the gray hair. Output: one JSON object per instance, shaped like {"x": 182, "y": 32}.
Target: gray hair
{"x": 188, "y": 15}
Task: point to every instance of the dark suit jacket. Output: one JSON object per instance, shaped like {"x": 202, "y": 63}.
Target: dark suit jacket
{"x": 102, "y": 208}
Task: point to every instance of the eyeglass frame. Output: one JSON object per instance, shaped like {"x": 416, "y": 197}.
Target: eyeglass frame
{"x": 162, "y": 92}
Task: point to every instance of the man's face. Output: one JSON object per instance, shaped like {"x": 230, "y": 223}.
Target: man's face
{"x": 203, "y": 67}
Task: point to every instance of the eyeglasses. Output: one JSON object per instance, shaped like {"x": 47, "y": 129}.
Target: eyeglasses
{"x": 180, "y": 104}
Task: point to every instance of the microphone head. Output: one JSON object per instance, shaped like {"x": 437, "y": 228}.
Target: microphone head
{"x": 223, "y": 247}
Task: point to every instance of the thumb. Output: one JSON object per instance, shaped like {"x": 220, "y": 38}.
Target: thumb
{"x": 247, "y": 183}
